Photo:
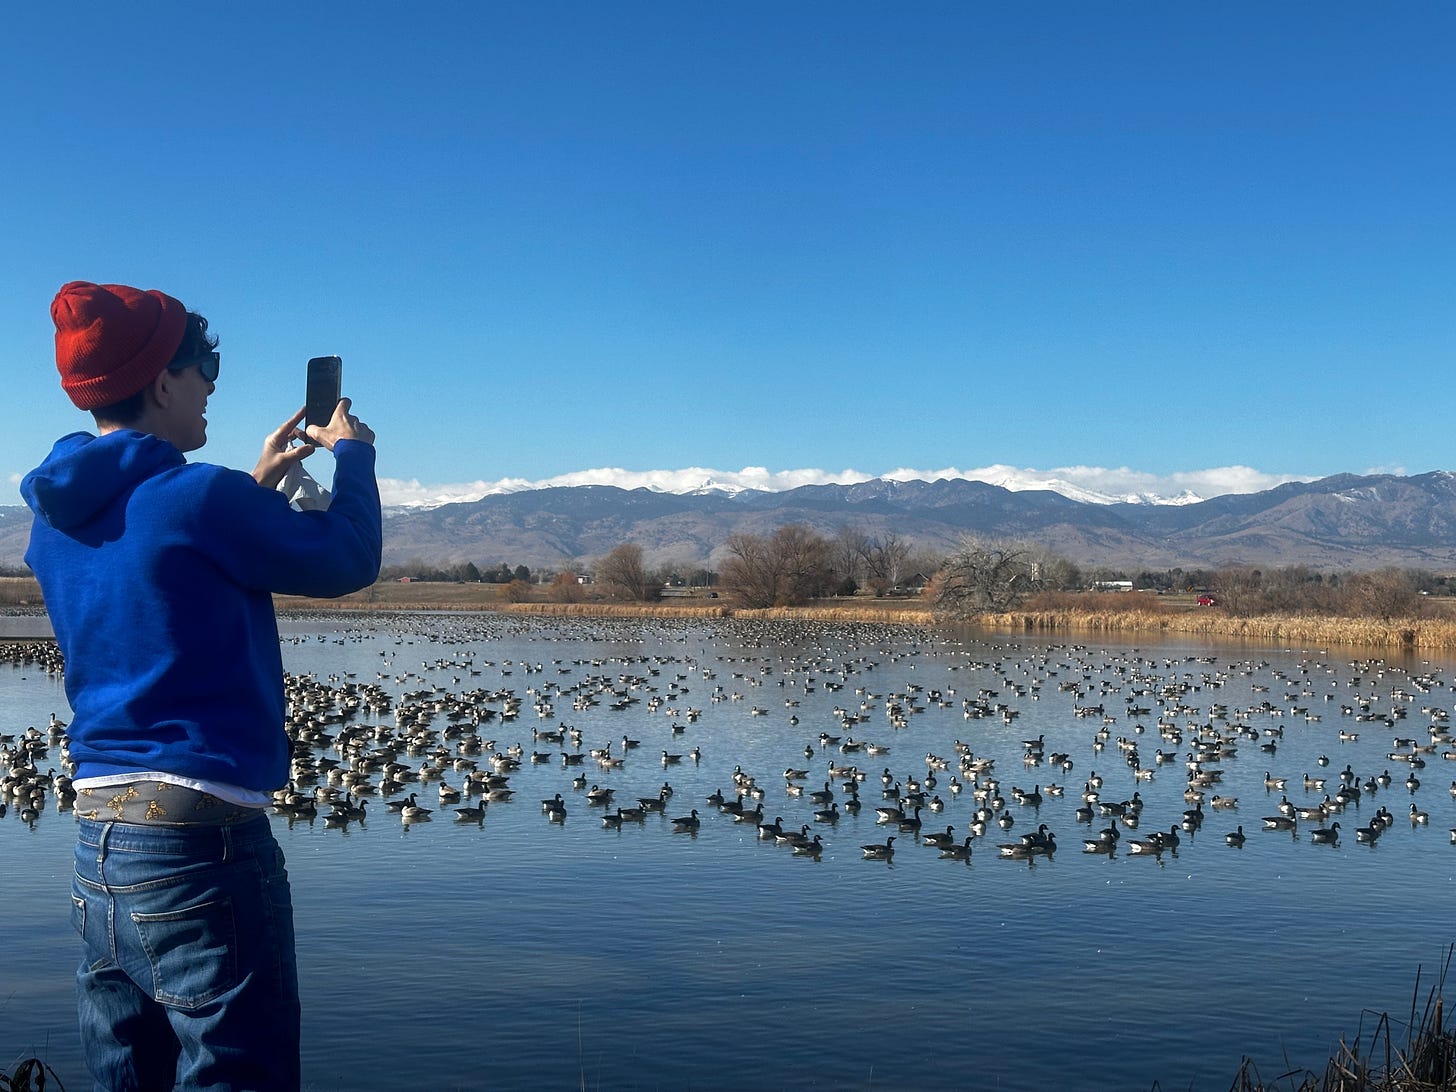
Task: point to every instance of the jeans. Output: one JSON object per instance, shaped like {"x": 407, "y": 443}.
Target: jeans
{"x": 189, "y": 978}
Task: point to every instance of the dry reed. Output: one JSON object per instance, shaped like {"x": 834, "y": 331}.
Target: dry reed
{"x": 1424, "y": 1062}
{"x": 1415, "y": 633}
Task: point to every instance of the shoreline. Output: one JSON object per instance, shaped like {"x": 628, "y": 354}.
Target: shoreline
{"x": 1157, "y": 618}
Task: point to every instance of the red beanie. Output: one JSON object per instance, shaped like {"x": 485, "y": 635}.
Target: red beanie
{"x": 111, "y": 340}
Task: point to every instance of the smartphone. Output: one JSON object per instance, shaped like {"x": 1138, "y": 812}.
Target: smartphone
{"x": 325, "y": 376}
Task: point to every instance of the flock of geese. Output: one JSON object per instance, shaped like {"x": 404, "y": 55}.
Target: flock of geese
{"x": 845, "y": 704}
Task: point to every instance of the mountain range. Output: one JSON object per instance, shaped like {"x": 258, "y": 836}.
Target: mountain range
{"x": 1344, "y": 522}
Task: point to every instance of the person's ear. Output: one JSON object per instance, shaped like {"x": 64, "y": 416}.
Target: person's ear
{"x": 162, "y": 390}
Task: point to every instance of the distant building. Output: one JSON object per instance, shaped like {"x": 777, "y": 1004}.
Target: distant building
{"x": 1112, "y": 585}
{"x": 911, "y": 585}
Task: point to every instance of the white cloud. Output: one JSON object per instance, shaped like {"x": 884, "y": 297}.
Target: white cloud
{"x": 1095, "y": 484}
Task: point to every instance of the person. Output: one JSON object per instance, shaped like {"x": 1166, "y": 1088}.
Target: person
{"x": 158, "y": 575}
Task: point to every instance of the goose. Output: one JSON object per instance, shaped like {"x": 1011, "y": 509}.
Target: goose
{"x": 1235, "y": 838}
{"x": 962, "y": 852}
{"x": 1022, "y": 851}
{"x": 938, "y": 840}
{"x": 1326, "y": 835}
{"x": 348, "y": 811}
{"x": 612, "y": 820}
{"x": 413, "y": 813}
{"x": 889, "y": 815}
{"x": 1368, "y": 834}
{"x": 812, "y": 848}
{"x": 910, "y": 824}
{"x": 827, "y": 815}
{"x": 687, "y": 823}
{"x": 1418, "y": 818}
{"x": 879, "y": 851}
{"x": 469, "y": 814}
{"x": 767, "y": 831}
{"x": 1279, "y": 822}
{"x": 793, "y": 837}
{"x": 598, "y": 795}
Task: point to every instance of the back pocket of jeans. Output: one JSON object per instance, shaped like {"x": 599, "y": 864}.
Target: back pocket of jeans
{"x": 192, "y": 951}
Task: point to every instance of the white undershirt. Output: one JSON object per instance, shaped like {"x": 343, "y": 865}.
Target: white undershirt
{"x": 232, "y": 794}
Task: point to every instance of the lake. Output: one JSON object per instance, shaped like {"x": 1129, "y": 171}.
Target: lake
{"x": 516, "y": 951}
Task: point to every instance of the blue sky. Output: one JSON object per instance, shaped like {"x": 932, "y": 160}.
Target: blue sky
{"x": 1136, "y": 242}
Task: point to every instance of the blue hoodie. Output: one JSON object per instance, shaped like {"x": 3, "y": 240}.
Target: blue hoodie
{"x": 157, "y": 575}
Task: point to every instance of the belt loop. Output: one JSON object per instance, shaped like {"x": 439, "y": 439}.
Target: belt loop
{"x": 101, "y": 851}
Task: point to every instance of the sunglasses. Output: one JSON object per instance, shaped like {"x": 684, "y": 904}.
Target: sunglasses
{"x": 208, "y": 364}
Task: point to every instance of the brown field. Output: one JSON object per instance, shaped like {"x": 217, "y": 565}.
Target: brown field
{"x": 1081, "y": 615}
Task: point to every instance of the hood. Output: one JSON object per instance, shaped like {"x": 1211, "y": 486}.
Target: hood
{"x": 83, "y": 474}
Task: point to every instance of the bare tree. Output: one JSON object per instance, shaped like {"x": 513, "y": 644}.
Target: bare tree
{"x": 984, "y": 576}
{"x": 1238, "y": 591}
{"x": 1384, "y": 594}
{"x": 565, "y": 588}
{"x": 624, "y": 576}
{"x": 884, "y": 560}
{"x": 848, "y": 547}
{"x": 789, "y": 567}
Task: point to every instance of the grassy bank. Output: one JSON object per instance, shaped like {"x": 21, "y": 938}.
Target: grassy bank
{"x": 1087, "y": 615}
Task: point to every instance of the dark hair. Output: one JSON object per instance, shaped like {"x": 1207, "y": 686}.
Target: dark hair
{"x": 195, "y": 341}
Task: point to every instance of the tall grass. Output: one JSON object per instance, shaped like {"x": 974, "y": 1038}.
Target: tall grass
{"x": 1434, "y": 634}
{"x": 1422, "y": 1059}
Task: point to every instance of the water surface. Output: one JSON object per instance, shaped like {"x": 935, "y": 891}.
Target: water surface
{"x": 521, "y": 952}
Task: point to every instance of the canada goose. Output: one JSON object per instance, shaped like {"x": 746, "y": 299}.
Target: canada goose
{"x": 879, "y": 851}
{"x": 793, "y": 837}
{"x": 938, "y": 840}
{"x": 1326, "y": 835}
{"x": 768, "y": 831}
{"x": 687, "y": 823}
{"x": 1235, "y": 837}
{"x": 468, "y": 814}
{"x": 812, "y": 848}
{"x": 1418, "y": 818}
{"x": 1023, "y": 850}
{"x": 962, "y": 852}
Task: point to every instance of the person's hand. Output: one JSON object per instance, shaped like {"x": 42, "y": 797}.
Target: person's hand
{"x": 279, "y": 454}
{"x": 342, "y": 426}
